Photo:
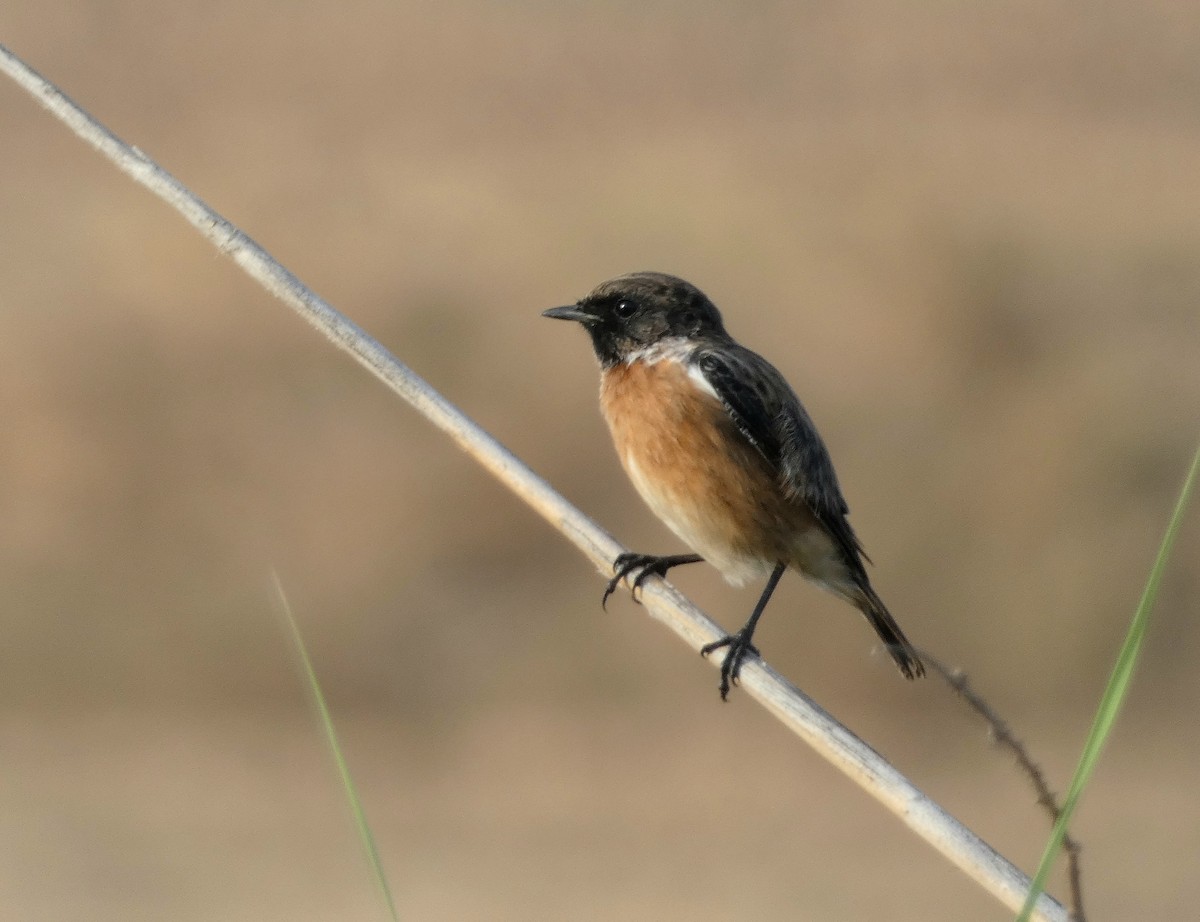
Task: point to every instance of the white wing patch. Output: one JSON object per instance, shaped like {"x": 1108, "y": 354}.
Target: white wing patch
{"x": 696, "y": 374}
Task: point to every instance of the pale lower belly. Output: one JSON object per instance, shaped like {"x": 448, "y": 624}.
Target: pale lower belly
{"x": 714, "y": 536}
{"x": 707, "y": 534}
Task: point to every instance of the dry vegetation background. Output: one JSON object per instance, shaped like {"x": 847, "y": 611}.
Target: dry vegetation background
{"x": 967, "y": 232}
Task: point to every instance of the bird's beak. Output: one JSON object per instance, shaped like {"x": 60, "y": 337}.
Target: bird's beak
{"x": 570, "y": 312}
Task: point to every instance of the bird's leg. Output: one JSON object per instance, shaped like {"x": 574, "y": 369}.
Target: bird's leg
{"x": 649, "y": 564}
{"x": 739, "y": 644}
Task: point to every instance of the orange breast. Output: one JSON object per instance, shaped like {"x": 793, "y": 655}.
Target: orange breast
{"x": 696, "y": 471}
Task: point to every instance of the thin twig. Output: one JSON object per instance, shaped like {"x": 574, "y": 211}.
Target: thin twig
{"x": 1004, "y": 738}
{"x": 799, "y": 713}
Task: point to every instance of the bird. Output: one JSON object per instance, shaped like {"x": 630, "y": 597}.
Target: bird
{"x": 721, "y": 449}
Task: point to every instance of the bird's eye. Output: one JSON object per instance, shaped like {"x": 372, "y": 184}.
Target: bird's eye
{"x": 625, "y": 309}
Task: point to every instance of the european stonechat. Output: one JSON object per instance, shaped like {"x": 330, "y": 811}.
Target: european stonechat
{"x": 721, "y": 449}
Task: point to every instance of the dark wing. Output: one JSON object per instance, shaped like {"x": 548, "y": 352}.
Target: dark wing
{"x": 768, "y": 413}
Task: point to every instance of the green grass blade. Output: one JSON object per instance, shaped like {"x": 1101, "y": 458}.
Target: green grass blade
{"x": 356, "y": 807}
{"x": 1114, "y": 693}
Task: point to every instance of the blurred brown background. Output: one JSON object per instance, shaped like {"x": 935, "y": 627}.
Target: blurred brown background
{"x": 968, "y": 233}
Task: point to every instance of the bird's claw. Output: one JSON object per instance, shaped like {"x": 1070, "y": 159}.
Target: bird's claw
{"x": 624, "y": 565}
{"x": 649, "y": 564}
{"x": 731, "y": 666}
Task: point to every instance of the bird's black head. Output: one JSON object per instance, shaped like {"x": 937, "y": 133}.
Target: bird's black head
{"x": 634, "y": 312}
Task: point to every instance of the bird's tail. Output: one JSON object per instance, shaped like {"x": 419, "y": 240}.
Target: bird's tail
{"x": 889, "y": 632}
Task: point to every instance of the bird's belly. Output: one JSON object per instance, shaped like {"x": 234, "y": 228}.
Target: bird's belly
{"x": 697, "y": 473}
{"x": 704, "y": 526}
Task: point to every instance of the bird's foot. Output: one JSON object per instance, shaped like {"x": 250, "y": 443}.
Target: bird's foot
{"x": 739, "y": 648}
{"x": 648, "y": 565}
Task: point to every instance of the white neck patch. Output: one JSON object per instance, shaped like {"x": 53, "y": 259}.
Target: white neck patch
{"x": 678, "y": 350}
{"x": 675, "y": 349}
